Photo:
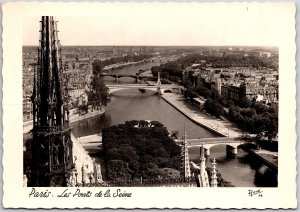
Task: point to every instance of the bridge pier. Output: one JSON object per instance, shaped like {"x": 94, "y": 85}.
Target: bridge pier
{"x": 230, "y": 150}
{"x": 137, "y": 80}
{"x": 207, "y": 152}
{"x": 159, "y": 91}
{"x": 116, "y": 78}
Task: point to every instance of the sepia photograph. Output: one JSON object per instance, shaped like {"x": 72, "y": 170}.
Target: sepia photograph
{"x": 133, "y": 115}
{"x": 128, "y": 99}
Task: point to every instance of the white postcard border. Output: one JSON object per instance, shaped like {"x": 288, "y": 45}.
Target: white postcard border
{"x": 15, "y": 196}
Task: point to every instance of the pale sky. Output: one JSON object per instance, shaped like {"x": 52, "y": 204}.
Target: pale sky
{"x": 243, "y": 24}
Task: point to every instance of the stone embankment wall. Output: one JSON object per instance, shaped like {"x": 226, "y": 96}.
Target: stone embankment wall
{"x": 74, "y": 116}
{"x": 192, "y": 118}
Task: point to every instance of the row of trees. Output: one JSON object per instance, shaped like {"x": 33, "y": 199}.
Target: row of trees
{"x": 214, "y": 102}
{"x": 214, "y": 108}
{"x": 98, "y": 65}
{"x": 140, "y": 149}
{"x": 98, "y": 95}
{"x": 257, "y": 118}
{"x": 229, "y": 61}
{"x": 243, "y": 61}
{"x": 252, "y": 116}
{"x": 173, "y": 70}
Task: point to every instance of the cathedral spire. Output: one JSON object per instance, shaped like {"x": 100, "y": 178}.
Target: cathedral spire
{"x": 49, "y": 99}
{"x": 51, "y": 143}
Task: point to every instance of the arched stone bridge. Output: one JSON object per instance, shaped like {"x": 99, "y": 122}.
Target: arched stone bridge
{"x": 137, "y": 76}
{"x": 231, "y": 143}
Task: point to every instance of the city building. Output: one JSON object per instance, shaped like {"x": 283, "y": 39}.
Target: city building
{"x": 266, "y": 94}
{"x": 27, "y": 106}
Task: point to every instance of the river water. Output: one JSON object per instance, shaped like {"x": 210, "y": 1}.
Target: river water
{"x": 242, "y": 170}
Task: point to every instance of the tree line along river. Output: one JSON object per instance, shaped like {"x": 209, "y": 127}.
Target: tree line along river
{"x": 242, "y": 171}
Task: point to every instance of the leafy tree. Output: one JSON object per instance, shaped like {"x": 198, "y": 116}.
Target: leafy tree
{"x": 213, "y": 108}
{"x": 257, "y": 119}
{"x": 144, "y": 148}
{"x": 190, "y": 94}
{"x": 99, "y": 94}
{"x": 83, "y": 108}
{"x": 118, "y": 170}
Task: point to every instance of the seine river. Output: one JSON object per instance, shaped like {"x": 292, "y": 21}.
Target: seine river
{"x": 242, "y": 170}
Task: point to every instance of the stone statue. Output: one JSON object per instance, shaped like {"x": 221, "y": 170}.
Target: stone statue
{"x": 55, "y": 154}
{"x": 67, "y": 150}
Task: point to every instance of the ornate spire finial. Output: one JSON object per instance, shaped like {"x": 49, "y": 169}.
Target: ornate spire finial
{"x": 202, "y": 159}
{"x": 214, "y": 182}
{"x": 202, "y": 152}
{"x": 186, "y": 165}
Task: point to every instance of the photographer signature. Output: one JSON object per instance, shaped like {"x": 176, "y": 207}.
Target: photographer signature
{"x": 256, "y": 192}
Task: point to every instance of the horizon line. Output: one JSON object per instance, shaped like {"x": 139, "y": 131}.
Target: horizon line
{"x": 111, "y": 45}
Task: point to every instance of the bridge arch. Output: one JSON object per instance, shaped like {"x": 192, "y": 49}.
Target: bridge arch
{"x": 136, "y": 77}
{"x": 167, "y": 91}
{"x": 128, "y": 79}
{"x": 208, "y": 146}
{"x": 108, "y": 77}
{"x": 117, "y": 78}
{"x": 231, "y": 147}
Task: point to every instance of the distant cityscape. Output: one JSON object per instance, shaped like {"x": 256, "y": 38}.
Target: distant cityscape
{"x": 260, "y": 83}
{"x": 149, "y": 115}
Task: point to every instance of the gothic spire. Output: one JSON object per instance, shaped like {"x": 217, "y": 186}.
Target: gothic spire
{"x": 187, "y": 171}
{"x": 49, "y": 104}
{"x": 52, "y": 157}
{"x": 214, "y": 182}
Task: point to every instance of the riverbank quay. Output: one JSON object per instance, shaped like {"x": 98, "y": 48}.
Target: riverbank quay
{"x": 74, "y": 117}
{"x": 77, "y": 117}
{"x": 221, "y": 127}
{"x": 268, "y": 158}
